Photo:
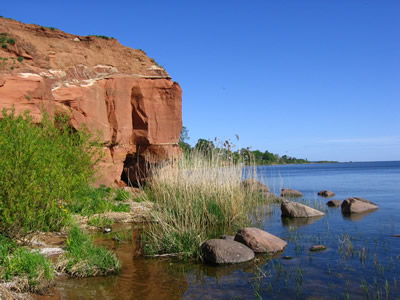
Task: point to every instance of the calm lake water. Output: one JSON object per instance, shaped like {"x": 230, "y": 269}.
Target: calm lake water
{"x": 362, "y": 260}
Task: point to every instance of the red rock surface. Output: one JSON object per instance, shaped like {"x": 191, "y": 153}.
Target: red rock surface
{"x": 112, "y": 89}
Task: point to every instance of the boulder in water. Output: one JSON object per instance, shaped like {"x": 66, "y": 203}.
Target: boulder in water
{"x": 292, "y": 209}
{"x": 259, "y": 240}
{"x": 334, "y": 203}
{"x": 219, "y": 251}
{"x": 290, "y": 193}
{"x": 327, "y": 194}
{"x": 357, "y": 205}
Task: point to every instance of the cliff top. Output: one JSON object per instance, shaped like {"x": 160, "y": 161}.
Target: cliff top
{"x": 47, "y": 48}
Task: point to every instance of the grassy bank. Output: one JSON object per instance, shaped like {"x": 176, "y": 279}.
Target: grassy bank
{"x": 199, "y": 198}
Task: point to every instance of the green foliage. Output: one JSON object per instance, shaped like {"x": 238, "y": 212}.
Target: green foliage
{"x": 122, "y": 195}
{"x": 104, "y": 37}
{"x": 43, "y": 168}
{"x": 22, "y": 263}
{"x": 20, "y": 59}
{"x": 90, "y": 201}
{"x": 84, "y": 259}
{"x": 4, "y": 46}
{"x": 11, "y": 41}
{"x": 100, "y": 222}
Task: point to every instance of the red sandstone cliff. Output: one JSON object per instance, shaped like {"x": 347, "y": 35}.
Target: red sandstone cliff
{"x": 110, "y": 88}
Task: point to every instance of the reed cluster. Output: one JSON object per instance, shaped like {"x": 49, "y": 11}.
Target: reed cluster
{"x": 198, "y": 198}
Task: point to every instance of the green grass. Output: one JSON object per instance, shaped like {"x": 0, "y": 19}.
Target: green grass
{"x": 100, "y": 222}
{"x": 90, "y": 201}
{"x": 33, "y": 270}
{"x": 104, "y": 37}
{"x": 84, "y": 259}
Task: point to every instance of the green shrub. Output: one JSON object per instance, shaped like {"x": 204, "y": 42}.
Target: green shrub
{"x": 43, "y": 168}
{"x": 83, "y": 259}
{"x": 11, "y": 41}
{"x": 20, "y": 59}
{"x": 4, "y": 46}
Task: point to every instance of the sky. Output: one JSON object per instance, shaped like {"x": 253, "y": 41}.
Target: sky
{"x": 315, "y": 79}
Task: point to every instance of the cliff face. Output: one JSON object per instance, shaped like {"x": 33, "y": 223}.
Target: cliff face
{"x": 112, "y": 89}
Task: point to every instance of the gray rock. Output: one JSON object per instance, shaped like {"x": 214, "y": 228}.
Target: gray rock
{"x": 290, "y": 193}
{"x": 252, "y": 183}
{"x": 357, "y": 205}
{"x": 297, "y": 210}
{"x": 259, "y": 240}
{"x": 327, "y": 194}
{"x": 220, "y": 251}
{"x": 334, "y": 203}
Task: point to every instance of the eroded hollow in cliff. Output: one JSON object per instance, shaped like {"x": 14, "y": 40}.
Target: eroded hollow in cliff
{"x": 135, "y": 171}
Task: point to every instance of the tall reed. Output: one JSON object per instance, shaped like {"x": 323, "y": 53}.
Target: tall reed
{"x": 199, "y": 198}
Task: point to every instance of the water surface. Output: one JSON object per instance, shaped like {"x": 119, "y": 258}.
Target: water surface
{"x": 363, "y": 256}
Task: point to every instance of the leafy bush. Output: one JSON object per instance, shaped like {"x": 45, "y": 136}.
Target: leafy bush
{"x": 4, "y": 46}
{"x": 20, "y": 59}
{"x": 42, "y": 168}
{"x": 84, "y": 259}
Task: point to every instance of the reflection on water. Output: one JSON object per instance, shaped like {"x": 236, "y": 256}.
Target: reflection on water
{"x": 140, "y": 278}
{"x": 357, "y": 216}
{"x": 298, "y": 222}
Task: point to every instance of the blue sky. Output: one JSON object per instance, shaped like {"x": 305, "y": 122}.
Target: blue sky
{"x": 313, "y": 79}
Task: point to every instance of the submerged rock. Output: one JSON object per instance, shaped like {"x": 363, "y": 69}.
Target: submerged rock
{"x": 334, "y": 203}
{"x": 259, "y": 240}
{"x": 290, "y": 193}
{"x": 357, "y": 205}
{"x": 326, "y": 194}
{"x": 219, "y": 251}
{"x": 318, "y": 248}
{"x": 297, "y": 210}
